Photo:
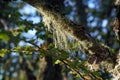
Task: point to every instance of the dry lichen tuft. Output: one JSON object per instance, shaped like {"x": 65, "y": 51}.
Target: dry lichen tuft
{"x": 59, "y": 35}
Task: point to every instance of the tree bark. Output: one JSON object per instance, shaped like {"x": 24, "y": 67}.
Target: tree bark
{"x": 48, "y": 71}
{"x": 116, "y": 70}
{"x": 99, "y": 52}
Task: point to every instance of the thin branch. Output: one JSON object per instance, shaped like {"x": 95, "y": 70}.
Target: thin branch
{"x": 77, "y": 72}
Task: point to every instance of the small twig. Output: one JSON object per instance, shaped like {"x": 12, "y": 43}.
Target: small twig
{"x": 77, "y": 72}
{"x": 74, "y": 70}
{"x": 33, "y": 44}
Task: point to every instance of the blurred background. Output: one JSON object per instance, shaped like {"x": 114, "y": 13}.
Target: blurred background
{"x": 21, "y": 26}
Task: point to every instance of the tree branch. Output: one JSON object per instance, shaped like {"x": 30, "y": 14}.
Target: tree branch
{"x": 98, "y": 51}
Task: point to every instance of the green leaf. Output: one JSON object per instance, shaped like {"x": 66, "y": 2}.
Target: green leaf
{"x": 2, "y": 52}
{"x": 64, "y": 54}
{"x": 57, "y": 61}
{"x": 4, "y": 36}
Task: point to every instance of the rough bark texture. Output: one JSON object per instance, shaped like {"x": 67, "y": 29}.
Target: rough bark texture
{"x": 116, "y": 70}
{"x": 99, "y": 53}
{"x": 97, "y": 50}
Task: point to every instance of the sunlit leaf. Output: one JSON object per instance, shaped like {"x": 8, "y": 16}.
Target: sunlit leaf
{"x": 57, "y": 61}
{"x": 2, "y": 52}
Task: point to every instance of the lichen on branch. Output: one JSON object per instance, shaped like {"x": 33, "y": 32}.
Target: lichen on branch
{"x": 63, "y": 27}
